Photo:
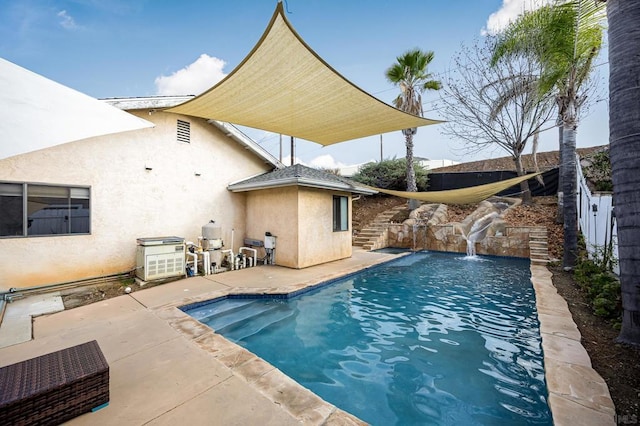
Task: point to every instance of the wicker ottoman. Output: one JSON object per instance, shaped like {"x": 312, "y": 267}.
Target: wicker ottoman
{"x": 54, "y": 388}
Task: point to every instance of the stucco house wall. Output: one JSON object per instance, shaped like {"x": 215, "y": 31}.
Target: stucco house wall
{"x": 143, "y": 183}
{"x": 319, "y": 243}
{"x": 276, "y": 211}
{"x": 302, "y": 220}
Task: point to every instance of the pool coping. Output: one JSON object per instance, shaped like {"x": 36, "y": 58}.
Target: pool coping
{"x": 577, "y": 394}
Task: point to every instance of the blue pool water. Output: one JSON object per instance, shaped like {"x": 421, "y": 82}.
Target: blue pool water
{"x": 431, "y": 338}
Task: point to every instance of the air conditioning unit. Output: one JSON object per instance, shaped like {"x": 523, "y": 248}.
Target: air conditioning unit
{"x": 160, "y": 257}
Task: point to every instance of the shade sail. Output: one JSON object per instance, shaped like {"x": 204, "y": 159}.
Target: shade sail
{"x": 284, "y": 87}
{"x": 38, "y": 113}
{"x": 470, "y": 195}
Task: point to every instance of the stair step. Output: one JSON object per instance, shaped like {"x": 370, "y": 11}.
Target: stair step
{"x": 222, "y": 319}
{"x": 539, "y": 262}
{"x": 533, "y": 244}
{"x": 240, "y": 330}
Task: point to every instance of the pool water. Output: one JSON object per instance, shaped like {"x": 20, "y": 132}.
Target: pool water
{"x": 431, "y": 338}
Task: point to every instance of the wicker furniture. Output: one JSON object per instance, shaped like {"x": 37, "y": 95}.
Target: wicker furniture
{"x": 56, "y": 387}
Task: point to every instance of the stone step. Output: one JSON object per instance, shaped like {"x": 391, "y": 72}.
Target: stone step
{"x": 369, "y": 234}
{"x": 535, "y": 252}
{"x": 538, "y": 234}
{"x": 539, "y": 262}
{"x": 534, "y": 238}
{"x": 538, "y": 245}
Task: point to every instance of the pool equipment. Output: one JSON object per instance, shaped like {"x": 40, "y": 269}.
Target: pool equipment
{"x": 160, "y": 257}
{"x": 211, "y": 243}
{"x": 212, "y": 236}
{"x": 251, "y": 261}
{"x": 270, "y": 247}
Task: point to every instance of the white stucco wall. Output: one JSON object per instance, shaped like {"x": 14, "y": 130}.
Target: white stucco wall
{"x": 302, "y": 219}
{"x": 128, "y": 201}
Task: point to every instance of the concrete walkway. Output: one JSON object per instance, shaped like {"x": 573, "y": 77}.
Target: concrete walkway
{"x": 167, "y": 368}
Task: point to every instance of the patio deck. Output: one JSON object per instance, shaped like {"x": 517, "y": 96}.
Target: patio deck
{"x": 167, "y": 368}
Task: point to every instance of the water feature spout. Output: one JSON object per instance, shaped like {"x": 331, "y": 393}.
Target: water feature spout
{"x": 478, "y": 231}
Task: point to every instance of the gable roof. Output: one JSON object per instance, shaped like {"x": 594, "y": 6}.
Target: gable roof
{"x": 299, "y": 175}
{"x": 284, "y": 87}
{"x": 231, "y": 131}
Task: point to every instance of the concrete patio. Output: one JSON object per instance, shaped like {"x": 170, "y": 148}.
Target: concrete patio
{"x": 165, "y": 367}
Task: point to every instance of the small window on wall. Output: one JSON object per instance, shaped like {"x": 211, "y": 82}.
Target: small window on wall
{"x": 184, "y": 131}
{"x": 11, "y": 210}
{"x": 34, "y": 210}
{"x": 340, "y": 213}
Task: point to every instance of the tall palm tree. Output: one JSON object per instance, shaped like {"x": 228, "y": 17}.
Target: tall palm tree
{"x": 624, "y": 140}
{"x": 411, "y": 75}
{"x": 565, "y": 37}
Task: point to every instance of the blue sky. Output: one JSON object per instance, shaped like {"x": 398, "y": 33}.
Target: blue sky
{"x": 129, "y": 48}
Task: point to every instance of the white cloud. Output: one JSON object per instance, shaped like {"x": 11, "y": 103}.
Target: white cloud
{"x": 509, "y": 11}
{"x": 192, "y": 79}
{"x": 326, "y": 161}
{"x": 67, "y": 21}
{"x": 286, "y": 160}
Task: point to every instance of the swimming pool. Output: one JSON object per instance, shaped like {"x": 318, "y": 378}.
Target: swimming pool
{"x": 431, "y": 338}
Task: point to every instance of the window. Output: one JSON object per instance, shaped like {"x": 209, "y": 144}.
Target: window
{"x": 184, "y": 131}
{"x": 11, "y": 209}
{"x": 340, "y": 213}
{"x": 30, "y": 210}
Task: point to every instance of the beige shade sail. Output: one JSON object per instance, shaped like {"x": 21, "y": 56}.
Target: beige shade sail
{"x": 470, "y": 195}
{"x": 284, "y": 87}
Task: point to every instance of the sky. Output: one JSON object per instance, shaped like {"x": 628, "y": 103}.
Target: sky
{"x": 139, "y": 48}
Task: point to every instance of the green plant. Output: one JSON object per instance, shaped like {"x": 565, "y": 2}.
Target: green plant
{"x": 391, "y": 174}
{"x": 601, "y": 287}
{"x": 598, "y": 171}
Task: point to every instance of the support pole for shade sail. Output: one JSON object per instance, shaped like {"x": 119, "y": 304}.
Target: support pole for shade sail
{"x": 280, "y": 148}
{"x": 293, "y": 150}
{"x": 381, "y": 148}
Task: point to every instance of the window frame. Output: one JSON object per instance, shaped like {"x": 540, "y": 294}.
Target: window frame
{"x": 340, "y": 213}
{"x": 73, "y": 192}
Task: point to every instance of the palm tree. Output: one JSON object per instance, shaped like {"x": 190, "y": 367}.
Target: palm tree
{"x": 624, "y": 140}
{"x": 411, "y": 75}
{"x": 565, "y": 37}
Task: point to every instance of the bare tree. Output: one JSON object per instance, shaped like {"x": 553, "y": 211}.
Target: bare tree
{"x": 495, "y": 106}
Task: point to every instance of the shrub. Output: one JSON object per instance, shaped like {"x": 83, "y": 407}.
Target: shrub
{"x": 601, "y": 287}
{"x": 391, "y": 174}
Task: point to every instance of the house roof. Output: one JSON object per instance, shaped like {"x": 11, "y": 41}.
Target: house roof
{"x": 38, "y": 113}
{"x": 546, "y": 161}
{"x": 161, "y": 102}
{"x": 284, "y": 87}
{"x": 299, "y": 175}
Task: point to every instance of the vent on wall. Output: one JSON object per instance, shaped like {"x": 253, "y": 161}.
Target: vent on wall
{"x": 184, "y": 131}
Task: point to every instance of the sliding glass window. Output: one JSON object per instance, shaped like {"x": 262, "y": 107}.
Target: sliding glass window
{"x": 48, "y": 210}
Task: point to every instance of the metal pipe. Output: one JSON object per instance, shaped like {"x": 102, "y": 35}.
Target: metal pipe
{"x": 66, "y": 284}
{"x": 3, "y": 308}
{"x": 254, "y": 259}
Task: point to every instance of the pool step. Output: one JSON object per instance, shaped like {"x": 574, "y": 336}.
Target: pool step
{"x": 219, "y": 308}
{"x": 220, "y": 320}
{"x": 241, "y": 330}
{"x": 234, "y": 318}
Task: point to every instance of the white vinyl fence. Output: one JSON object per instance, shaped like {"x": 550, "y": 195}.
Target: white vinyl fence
{"x": 597, "y": 219}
